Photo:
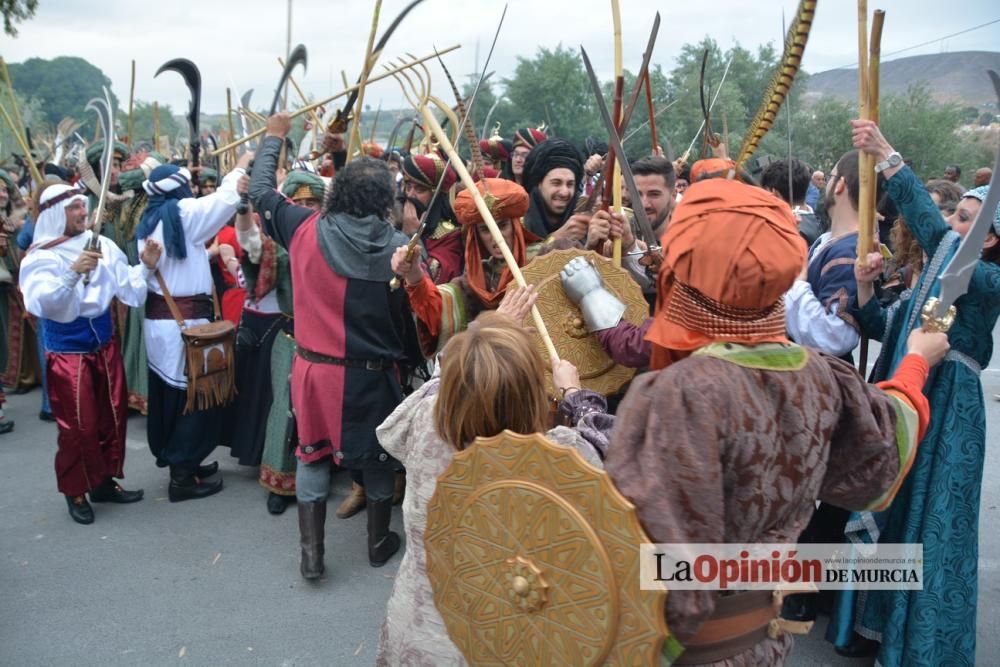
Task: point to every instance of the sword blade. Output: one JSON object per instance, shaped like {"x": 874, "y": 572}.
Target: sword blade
{"x": 616, "y": 145}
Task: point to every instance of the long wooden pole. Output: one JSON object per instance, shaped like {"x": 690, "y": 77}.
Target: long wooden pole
{"x": 232, "y": 125}
{"x": 616, "y": 174}
{"x": 354, "y": 141}
{"x": 13, "y": 100}
{"x": 342, "y": 93}
{"x": 866, "y": 168}
{"x": 484, "y": 211}
{"x": 874, "y": 62}
{"x": 22, "y": 142}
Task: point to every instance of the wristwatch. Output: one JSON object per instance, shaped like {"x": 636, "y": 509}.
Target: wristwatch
{"x": 894, "y": 160}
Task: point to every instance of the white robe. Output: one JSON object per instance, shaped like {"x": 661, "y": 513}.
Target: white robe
{"x": 201, "y": 219}
{"x": 52, "y": 290}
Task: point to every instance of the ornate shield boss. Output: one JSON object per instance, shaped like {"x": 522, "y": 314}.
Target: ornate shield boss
{"x": 565, "y": 321}
{"x": 533, "y": 556}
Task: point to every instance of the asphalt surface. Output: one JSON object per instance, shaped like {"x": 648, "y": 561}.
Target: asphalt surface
{"x": 216, "y": 582}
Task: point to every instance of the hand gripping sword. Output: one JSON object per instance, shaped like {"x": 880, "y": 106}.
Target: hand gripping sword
{"x": 105, "y": 116}
{"x": 939, "y": 312}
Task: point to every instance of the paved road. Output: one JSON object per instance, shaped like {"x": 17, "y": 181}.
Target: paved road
{"x": 215, "y": 582}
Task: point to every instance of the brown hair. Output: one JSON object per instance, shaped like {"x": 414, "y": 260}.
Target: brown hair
{"x": 491, "y": 380}
{"x": 906, "y": 249}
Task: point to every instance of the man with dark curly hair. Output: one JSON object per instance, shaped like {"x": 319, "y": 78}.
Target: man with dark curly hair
{"x": 350, "y": 336}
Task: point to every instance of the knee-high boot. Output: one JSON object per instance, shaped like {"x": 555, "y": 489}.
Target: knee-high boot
{"x": 382, "y": 542}
{"x": 312, "y": 517}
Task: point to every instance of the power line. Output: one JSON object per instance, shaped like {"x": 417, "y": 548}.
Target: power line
{"x": 932, "y": 41}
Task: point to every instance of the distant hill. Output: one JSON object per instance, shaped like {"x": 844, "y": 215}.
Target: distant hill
{"x": 952, "y": 77}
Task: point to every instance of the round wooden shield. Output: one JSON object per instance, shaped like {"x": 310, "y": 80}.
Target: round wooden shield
{"x": 565, "y": 321}
{"x": 533, "y": 556}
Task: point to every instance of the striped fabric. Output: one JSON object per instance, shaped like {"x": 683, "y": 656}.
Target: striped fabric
{"x": 907, "y": 429}
{"x": 453, "y": 315}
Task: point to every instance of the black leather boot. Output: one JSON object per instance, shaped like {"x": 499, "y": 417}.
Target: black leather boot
{"x": 207, "y": 470}
{"x": 312, "y": 518}
{"x": 111, "y": 491}
{"x": 80, "y": 510}
{"x": 185, "y": 485}
{"x": 382, "y": 542}
{"x": 277, "y": 503}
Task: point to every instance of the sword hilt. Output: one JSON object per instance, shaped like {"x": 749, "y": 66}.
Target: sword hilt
{"x": 411, "y": 250}
{"x": 93, "y": 245}
{"x": 932, "y": 321}
{"x": 245, "y": 196}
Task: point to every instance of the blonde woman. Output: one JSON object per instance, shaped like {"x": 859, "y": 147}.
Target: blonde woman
{"x": 491, "y": 379}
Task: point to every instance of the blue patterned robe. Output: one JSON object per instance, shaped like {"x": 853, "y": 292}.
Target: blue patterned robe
{"x": 938, "y": 504}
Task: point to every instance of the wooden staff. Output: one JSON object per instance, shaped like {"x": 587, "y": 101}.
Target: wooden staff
{"x": 652, "y": 114}
{"x": 866, "y": 167}
{"x": 484, "y": 211}
{"x": 615, "y": 182}
{"x": 13, "y": 101}
{"x": 232, "y": 125}
{"x": 131, "y": 102}
{"x": 874, "y": 61}
{"x": 342, "y": 93}
{"x": 354, "y": 139}
{"x": 32, "y": 167}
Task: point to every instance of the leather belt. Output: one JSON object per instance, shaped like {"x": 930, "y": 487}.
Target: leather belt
{"x": 198, "y": 307}
{"x": 367, "y": 364}
{"x": 738, "y": 622}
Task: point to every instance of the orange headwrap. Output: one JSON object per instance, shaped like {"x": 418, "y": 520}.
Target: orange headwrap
{"x": 715, "y": 167}
{"x": 731, "y": 252}
{"x": 507, "y": 201}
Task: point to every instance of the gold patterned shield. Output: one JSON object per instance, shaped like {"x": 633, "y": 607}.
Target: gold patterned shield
{"x": 565, "y": 321}
{"x": 533, "y": 556}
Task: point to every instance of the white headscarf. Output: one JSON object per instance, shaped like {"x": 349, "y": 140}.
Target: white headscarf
{"x": 51, "y": 222}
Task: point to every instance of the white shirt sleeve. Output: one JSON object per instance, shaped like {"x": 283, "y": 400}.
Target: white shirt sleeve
{"x": 49, "y": 287}
{"x": 130, "y": 281}
{"x": 204, "y": 217}
{"x": 811, "y": 325}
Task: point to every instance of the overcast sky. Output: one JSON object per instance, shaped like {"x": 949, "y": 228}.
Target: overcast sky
{"x": 238, "y": 46}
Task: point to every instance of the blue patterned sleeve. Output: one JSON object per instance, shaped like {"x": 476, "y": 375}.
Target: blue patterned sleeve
{"x": 986, "y": 280}
{"x": 916, "y": 206}
{"x": 871, "y": 318}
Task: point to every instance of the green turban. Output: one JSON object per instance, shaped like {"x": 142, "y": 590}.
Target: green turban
{"x": 297, "y": 180}
{"x": 95, "y": 149}
{"x": 208, "y": 176}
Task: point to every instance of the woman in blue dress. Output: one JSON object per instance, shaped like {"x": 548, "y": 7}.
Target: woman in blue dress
{"x": 938, "y": 504}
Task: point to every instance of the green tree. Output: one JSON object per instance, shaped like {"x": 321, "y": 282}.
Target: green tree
{"x": 16, "y": 11}
{"x": 63, "y": 86}
{"x": 142, "y": 123}
{"x": 553, "y": 88}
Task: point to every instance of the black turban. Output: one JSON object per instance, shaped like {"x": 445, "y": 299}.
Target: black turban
{"x": 548, "y": 155}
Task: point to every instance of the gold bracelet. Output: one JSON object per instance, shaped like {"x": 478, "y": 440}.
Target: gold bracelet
{"x": 563, "y": 391}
